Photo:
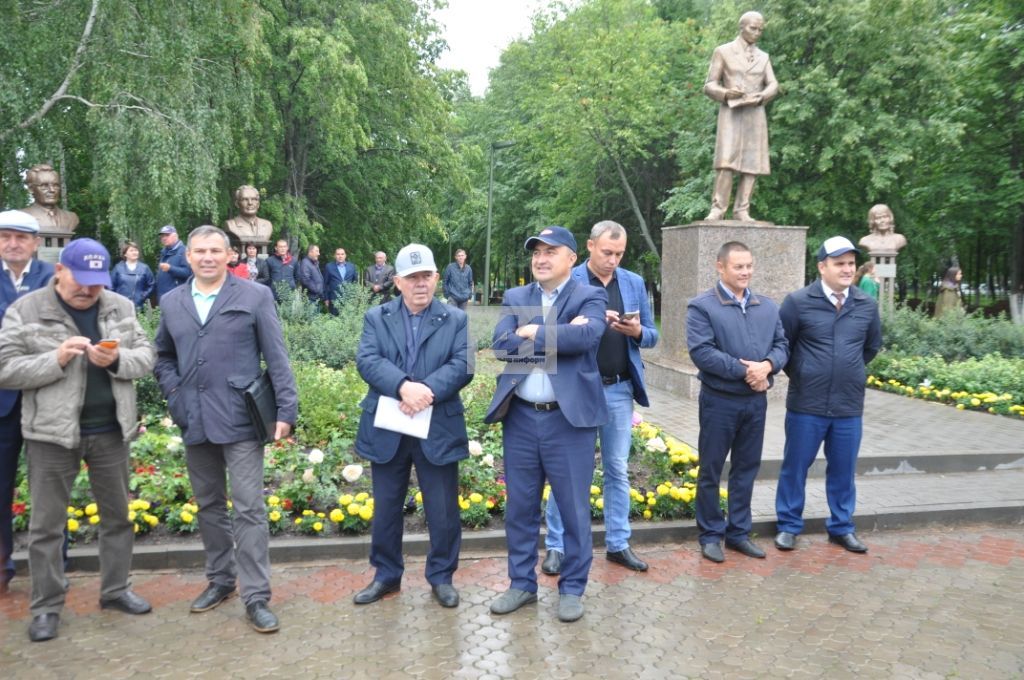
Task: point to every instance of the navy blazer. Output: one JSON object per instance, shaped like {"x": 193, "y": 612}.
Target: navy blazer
{"x": 203, "y": 368}
{"x": 179, "y": 273}
{"x": 441, "y": 364}
{"x": 38, "y": 275}
{"x": 573, "y": 349}
{"x": 336, "y": 275}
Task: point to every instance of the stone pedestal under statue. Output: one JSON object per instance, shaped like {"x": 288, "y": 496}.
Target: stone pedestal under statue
{"x": 688, "y": 268}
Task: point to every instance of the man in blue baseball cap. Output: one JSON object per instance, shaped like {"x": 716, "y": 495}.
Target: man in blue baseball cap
{"x": 76, "y": 343}
{"x": 19, "y": 239}
{"x": 551, "y": 401}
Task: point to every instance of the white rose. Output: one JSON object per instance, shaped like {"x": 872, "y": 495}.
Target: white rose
{"x": 307, "y": 476}
{"x": 351, "y": 473}
{"x": 487, "y": 460}
{"x": 475, "y": 448}
{"x": 166, "y": 422}
{"x": 656, "y": 444}
{"x": 316, "y": 456}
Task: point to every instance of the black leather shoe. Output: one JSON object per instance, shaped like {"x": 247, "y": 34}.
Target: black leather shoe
{"x": 127, "y": 602}
{"x": 747, "y": 547}
{"x": 628, "y": 559}
{"x": 552, "y": 565}
{"x": 850, "y": 542}
{"x": 785, "y": 540}
{"x": 375, "y": 591}
{"x": 43, "y": 627}
{"x": 713, "y": 552}
{"x": 445, "y": 594}
{"x": 211, "y": 597}
{"x": 261, "y": 618}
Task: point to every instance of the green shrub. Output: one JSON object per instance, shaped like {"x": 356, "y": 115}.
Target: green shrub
{"x": 319, "y": 337}
{"x": 954, "y": 337}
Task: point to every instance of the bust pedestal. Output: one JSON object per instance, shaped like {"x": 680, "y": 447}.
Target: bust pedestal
{"x": 688, "y": 268}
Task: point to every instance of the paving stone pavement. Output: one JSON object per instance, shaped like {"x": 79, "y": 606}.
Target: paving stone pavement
{"x": 927, "y": 603}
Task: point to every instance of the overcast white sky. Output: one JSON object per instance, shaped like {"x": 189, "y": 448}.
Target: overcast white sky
{"x": 478, "y": 31}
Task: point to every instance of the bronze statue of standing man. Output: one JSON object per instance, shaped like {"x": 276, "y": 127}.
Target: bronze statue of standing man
{"x": 742, "y": 81}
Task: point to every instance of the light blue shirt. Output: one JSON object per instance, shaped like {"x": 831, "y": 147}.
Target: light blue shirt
{"x": 537, "y": 385}
{"x": 203, "y": 301}
{"x": 741, "y": 302}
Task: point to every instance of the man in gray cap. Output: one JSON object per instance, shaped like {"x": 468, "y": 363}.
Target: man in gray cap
{"x": 414, "y": 349}
{"x": 71, "y": 343}
{"x": 173, "y": 268}
{"x": 19, "y": 239}
{"x": 834, "y": 331}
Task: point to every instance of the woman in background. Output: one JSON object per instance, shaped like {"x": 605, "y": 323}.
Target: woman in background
{"x": 949, "y": 292}
{"x": 132, "y": 278}
{"x": 865, "y": 279}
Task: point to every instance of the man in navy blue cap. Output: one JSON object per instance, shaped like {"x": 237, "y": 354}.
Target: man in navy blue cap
{"x": 834, "y": 330}
{"x": 74, "y": 348}
{"x": 19, "y": 239}
{"x": 551, "y": 401}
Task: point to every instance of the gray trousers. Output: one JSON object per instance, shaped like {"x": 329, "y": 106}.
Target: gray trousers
{"x": 51, "y": 473}
{"x": 237, "y": 546}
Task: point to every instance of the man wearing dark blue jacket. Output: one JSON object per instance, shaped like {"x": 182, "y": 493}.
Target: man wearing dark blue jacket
{"x": 173, "y": 269}
{"x": 834, "y": 330}
{"x": 414, "y": 350}
{"x": 212, "y": 336}
{"x": 337, "y": 276}
{"x": 736, "y": 342}
{"x": 19, "y": 238}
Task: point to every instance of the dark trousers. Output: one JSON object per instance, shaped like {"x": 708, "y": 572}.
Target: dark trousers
{"x": 736, "y": 425}
{"x": 539, "y": 446}
{"x": 440, "y": 487}
{"x": 10, "y": 450}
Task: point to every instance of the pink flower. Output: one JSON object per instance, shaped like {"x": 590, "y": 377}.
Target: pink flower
{"x": 637, "y": 419}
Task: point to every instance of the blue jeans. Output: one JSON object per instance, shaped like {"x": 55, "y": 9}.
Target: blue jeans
{"x": 804, "y": 435}
{"x": 616, "y": 437}
{"x": 10, "y": 451}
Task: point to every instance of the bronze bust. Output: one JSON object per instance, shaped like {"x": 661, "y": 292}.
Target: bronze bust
{"x": 44, "y": 184}
{"x": 883, "y": 239}
{"x": 246, "y": 227}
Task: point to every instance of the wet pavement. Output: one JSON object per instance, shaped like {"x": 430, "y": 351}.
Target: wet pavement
{"x": 926, "y": 603}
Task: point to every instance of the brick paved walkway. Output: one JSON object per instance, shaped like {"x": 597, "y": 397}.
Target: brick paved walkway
{"x": 929, "y": 603}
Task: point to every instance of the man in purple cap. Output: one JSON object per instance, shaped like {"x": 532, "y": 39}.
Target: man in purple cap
{"x": 73, "y": 349}
{"x": 551, "y": 401}
{"x": 173, "y": 268}
{"x": 834, "y": 330}
{"x": 19, "y": 239}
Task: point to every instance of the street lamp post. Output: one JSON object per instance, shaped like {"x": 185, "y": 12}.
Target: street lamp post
{"x": 495, "y": 146}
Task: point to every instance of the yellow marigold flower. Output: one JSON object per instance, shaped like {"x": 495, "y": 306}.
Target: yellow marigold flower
{"x": 975, "y": 401}
{"x": 475, "y": 498}
{"x": 652, "y": 501}
{"x": 318, "y": 526}
{"x": 490, "y": 504}
{"x": 151, "y": 520}
{"x": 135, "y": 527}
{"x": 144, "y": 505}
{"x": 79, "y": 513}
{"x": 275, "y": 516}
{"x": 94, "y": 519}
{"x": 650, "y": 494}
{"x": 361, "y": 496}
{"x": 599, "y": 503}
{"x": 321, "y": 515}
{"x": 546, "y": 492}
{"x": 186, "y": 517}
{"x": 131, "y": 515}
{"x": 91, "y": 509}
{"x": 347, "y": 499}
{"x": 337, "y": 515}
{"x": 366, "y": 514}
{"x": 648, "y": 514}
{"x": 662, "y": 490}
{"x": 307, "y": 513}
{"x": 72, "y": 525}
{"x": 71, "y": 509}
{"x": 723, "y": 493}
{"x": 230, "y": 505}
{"x": 274, "y": 501}
{"x": 353, "y": 508}
{"x": 688, "y": 495}
{"x": 594, "y": 490}
{"x": 693, "y": 472}
{"x": 464, "y": 505}
{"x": 419, "y": 497}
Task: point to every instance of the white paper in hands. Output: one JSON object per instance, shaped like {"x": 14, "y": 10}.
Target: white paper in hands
{"x": 390, "y": 417}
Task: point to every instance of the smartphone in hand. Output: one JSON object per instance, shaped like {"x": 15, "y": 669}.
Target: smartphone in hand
{"x": 108, "y": 343}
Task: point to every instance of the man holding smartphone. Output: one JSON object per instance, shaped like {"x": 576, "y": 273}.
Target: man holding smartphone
{"x": 630, "y": 327}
